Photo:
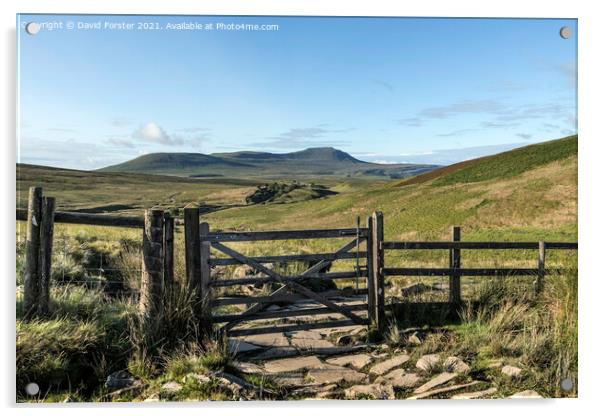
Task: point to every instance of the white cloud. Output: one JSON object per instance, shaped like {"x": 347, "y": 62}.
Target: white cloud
{"x": 152, "y": 132}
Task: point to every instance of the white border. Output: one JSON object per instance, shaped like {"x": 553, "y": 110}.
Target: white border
{"x": 590, "y": 68}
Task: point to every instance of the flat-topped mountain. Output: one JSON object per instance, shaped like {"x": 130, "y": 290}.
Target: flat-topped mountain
{"x": 317, "y": 161}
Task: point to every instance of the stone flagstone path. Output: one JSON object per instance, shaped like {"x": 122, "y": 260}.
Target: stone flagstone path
{"x": 339, "y": 363}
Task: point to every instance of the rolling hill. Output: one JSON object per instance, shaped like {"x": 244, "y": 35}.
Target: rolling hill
{"x": 312, "y": 162}
{"x": 524, "y": 194}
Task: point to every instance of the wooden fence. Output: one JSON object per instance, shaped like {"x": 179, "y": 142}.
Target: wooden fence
{"x": 455, "y": 270}
{"x": 158, "y": 265}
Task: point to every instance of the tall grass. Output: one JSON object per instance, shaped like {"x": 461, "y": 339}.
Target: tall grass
{"x": 538, "y": 333}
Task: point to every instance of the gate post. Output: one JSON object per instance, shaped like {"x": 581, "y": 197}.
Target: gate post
{"x": 31, "y": 274}
{"x": 152, "y": 286}
{"x": 193, "y": 248}
{"x": 377, "y": 266}
{"x": 541, "y": 268}
{"x": 455, "y": 295}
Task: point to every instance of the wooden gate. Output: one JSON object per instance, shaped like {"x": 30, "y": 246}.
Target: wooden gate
{"x": 199, "y": 239}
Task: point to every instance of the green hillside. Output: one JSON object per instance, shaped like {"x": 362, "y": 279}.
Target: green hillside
{"x": 527, "y": 193}
{"x": 503, "y": 165}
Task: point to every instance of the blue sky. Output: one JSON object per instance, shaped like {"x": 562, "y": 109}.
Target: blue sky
{"x": 382, "y": 89}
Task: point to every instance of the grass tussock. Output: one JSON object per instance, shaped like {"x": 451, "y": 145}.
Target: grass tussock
{"x": 535, "y": 333}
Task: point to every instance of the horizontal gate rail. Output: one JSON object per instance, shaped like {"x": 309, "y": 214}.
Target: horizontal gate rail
{"x": 474, "y": 245}
{"x": 286, "y": 314}
{"x": 292, "y": 257}
{"x": 287, "y": 297}
{"x": 90, "y": 219}
{"x": 463, "y": 272}
{"x": 285, "y": 235}
{"x": 298, "y": 327}
{"x": 300, "y": 278}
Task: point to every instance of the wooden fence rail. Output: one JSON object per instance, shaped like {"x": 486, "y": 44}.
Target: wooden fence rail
{"x": 455, "y": 270}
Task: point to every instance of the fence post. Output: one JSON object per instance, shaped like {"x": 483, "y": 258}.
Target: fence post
{"x": 541, "y": 268}
{"x": 377, "y": 265}
{"x": 370, "y": 268}
{"x": 168, "y": 251}
{"x": 45, "y": 262}
{"x": 31, "y": 274}
{"x": 205, "y": 273}
{"x": 151, "y": 285}
{"x": 455, "y": 295}
{"x": 193, "y": 247}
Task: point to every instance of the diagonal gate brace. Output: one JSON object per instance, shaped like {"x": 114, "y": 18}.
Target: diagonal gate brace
{"x": 293, "y": 285}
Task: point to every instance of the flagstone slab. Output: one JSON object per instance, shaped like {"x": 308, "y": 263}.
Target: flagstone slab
{"x": 387, "y": 365}
{"x": 304, "y": 334}
{"x": 376, "y": 391}
{"x": 267, "y": 340}
{"x": 295, "y": 364}
{"x": 334, "y": 374}
{"x": 237, "y": 346}
{"x": 456, "y": 365}
{"x": 475, "y": 394}
{"x": 400, "y": 378}
{"x": 355, "y": 361}
{"x": 442, "y": 390}
{"x": 310, "y": 344}
{"x": 435, "y": 382}
{"x": 428, "y": 362}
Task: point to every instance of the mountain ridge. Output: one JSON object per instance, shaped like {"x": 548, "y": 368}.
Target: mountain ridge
{"x": 316, "y": 161}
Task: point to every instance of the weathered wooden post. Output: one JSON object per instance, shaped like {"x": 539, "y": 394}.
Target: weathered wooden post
{"x": 193, "y": 247}
{"x": 45, "y": 262}
{"x": 455, "y": 295}
{"x": 168, "y": 251}
{"x": 31, "y": 274}
{"x": 378, "y": 265}
{"x": 205, "y": 270}
{"x": 152, "y": 287}
{"x": 541, "y": 268}
{"x": 370, "y": 280}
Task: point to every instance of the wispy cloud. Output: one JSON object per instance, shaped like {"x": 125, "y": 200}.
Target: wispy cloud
{"x": 462, "y": 107}
{"x": 524, "y": 136}
{"x": 410, "y": 121}
{"x": 459, "y": 132}
{"x": 442, "y": 156}
{"x": 194, "y": 129}
{"x": 500, "y": 115}
{"x": 384, "y": 85}
{"x": 304, "y": 137}
{"x": 121, "y": 121}
{"x": 61, "y": 130}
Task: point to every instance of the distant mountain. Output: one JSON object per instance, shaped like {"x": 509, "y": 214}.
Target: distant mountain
{"x": 327, "y": 154}
{"x": 172, "y": 162}
{"x": 318, "y": 161}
